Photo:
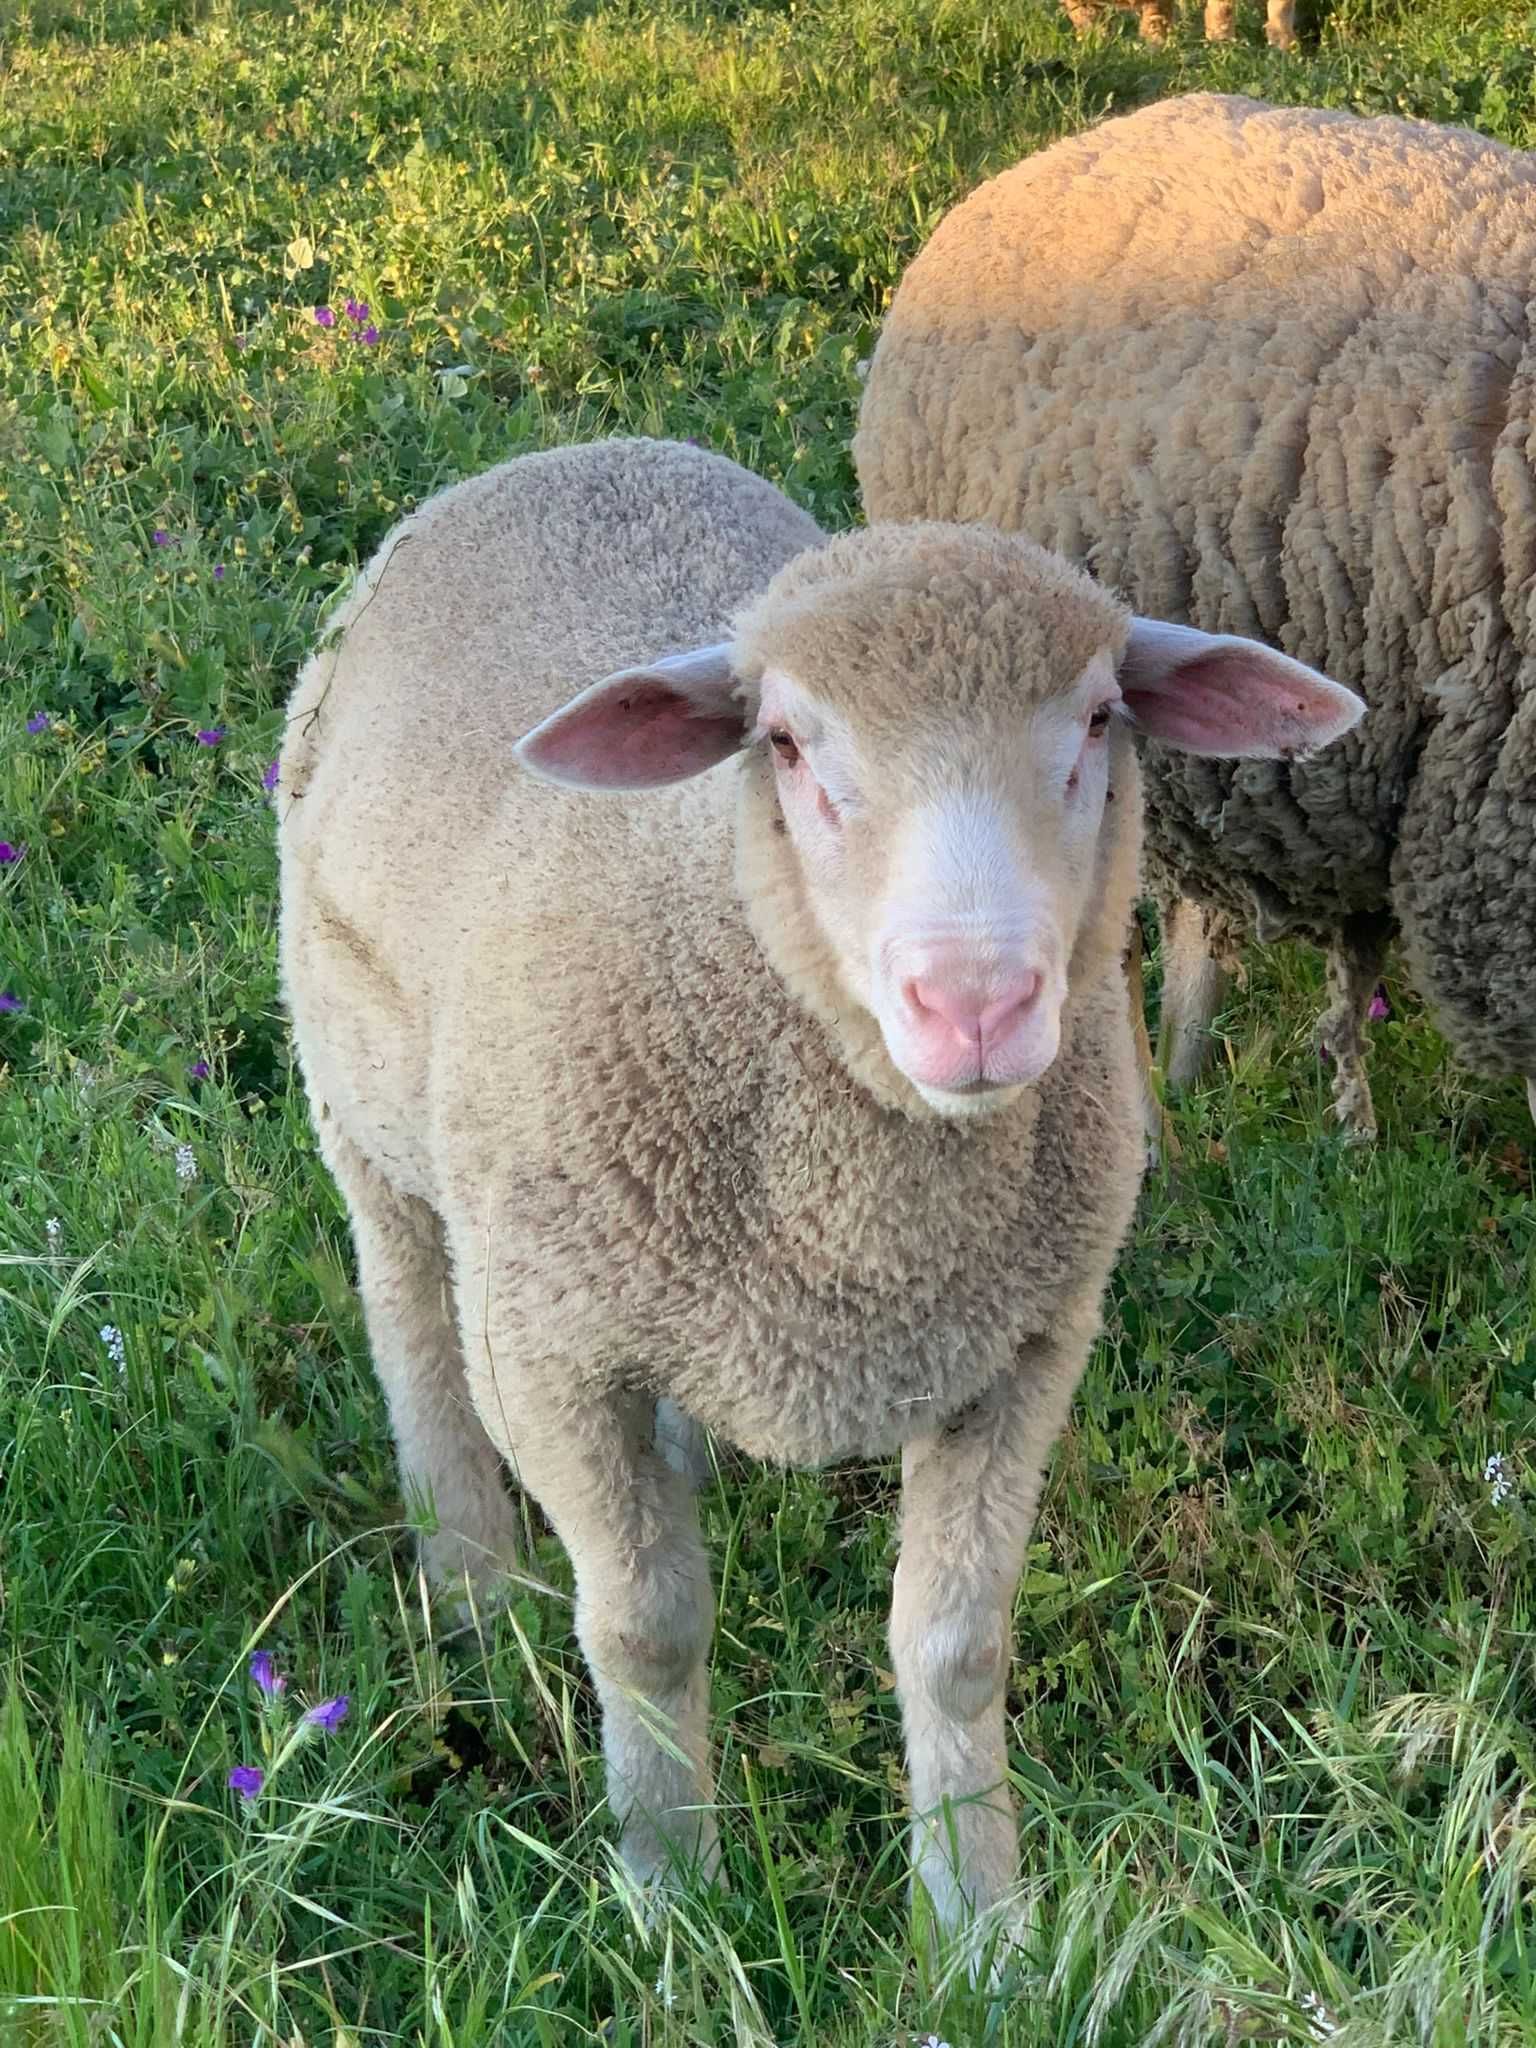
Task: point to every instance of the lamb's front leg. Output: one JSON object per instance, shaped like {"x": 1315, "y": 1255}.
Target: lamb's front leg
{"x": 969, "y": 1492}
{"x": 644, "y": 1610}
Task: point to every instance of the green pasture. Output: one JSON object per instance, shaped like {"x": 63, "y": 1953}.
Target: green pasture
{"x": 1273, "y": 1698}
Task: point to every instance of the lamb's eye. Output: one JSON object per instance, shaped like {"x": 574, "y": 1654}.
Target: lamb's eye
{"x": 1098, "y": 724}
{"x": 783, "y": 744}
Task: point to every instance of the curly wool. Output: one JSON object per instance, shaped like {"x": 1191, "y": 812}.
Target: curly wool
{"x": 1271, "y": 371}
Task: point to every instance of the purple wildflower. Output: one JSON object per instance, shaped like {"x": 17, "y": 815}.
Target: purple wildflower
{"x": 324, "y": 317}
{"x": 10, "y": 1004}
{"x": 218, "y": 572}
{"x": 330, "y": 1714}
{"x": 39, "y": 722}
{"x": 246, "y": 1779}
{"x": 9, "y": 853}
{"x": 199, "y": 1072}
{"x": 162, "y": 539}
{"x": 368, "y": 336}
{"x": 357, "y": 311}
{"x": 1379, "y": 1007}
{"x": 1325, "y": 1055}
{"x": 269, "y": 776}
{"x": 242, "y": 341}
{"x": 264, "y": 1674}
{"x": 211, "y": 735}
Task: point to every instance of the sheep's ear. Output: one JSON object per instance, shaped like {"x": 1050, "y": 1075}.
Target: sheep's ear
{"x": 1212, "y": 693}
{"x": 642, "y": 727}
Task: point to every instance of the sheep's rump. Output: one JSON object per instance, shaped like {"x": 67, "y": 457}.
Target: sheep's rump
{"x": 1269, "y": 371}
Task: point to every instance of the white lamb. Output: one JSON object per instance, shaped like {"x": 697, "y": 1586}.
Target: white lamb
{"x": 800, "y": 1095}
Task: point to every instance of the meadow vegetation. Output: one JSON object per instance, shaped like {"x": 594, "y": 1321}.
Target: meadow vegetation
{"x": 1273, "y": 1728}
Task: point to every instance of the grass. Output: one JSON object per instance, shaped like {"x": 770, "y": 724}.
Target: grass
{"x": 1273, "y": 1690}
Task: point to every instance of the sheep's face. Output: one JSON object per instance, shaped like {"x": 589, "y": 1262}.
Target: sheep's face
{"x": 940, "y": 787}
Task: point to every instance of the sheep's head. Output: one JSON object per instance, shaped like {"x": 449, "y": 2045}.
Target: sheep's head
{"x": 939, "y": 808}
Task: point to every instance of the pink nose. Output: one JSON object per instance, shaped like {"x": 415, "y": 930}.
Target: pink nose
{"x": 978, "y": 1022}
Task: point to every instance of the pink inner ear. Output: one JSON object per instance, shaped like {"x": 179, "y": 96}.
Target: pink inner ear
{"x": 1236, "y": 699}
{"x": 637, "y": 734}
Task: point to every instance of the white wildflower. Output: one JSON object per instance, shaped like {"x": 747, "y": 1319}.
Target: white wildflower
{"x": 1502, "y": 1480}
{"x": 186, "y": 1163}
{"x": 112, "y": 1337}
{"x": 53, "y": 1229}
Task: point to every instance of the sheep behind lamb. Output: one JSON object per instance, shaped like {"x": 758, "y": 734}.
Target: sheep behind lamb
{"x": 797, "y": 1096}
{"x": 1273, "y": 371}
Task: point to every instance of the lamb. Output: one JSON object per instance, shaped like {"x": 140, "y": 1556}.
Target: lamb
{"x": 796, "y": 1097}
{"x": 1272, "y": 371}
{"x": 1155, "y": 19}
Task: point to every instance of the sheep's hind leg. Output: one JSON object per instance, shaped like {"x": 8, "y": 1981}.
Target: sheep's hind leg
{"x": 1219, "y": 21}
{"x": 1280, "y": 24}
{"x": 1161, "y": 1141}
{"x": 1194, "y": 990}
{"x": 1355, "y": 961}
{"x": 1156, "y": 19}
{"x": 969, "y": 1492}
{"x": 1083, "y": 14}
{"x": 444, "y": 1454}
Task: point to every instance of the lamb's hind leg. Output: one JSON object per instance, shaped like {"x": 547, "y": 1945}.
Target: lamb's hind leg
{"x": 1355, "y": 962}
{"x": 444, "y": 1455}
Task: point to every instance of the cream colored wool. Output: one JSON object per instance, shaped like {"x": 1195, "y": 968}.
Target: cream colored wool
{"x": 624, "y": 1148}
{"x": 1272, "y": 371}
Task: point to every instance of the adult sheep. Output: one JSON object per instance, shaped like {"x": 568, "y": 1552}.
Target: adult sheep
{"x": 1272, "y": 371}
{"x": 799, "y": 1094}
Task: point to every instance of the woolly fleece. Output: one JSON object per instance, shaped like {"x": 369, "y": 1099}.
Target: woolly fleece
{"x": 546, "y": 1016}
{"x": 1271, "y": 371}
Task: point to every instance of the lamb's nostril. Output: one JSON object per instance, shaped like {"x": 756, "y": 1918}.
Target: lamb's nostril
{"x": 1009, "y": 1006}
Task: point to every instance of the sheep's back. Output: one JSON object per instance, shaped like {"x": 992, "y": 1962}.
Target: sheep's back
{"x": 1265, "y": 371}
